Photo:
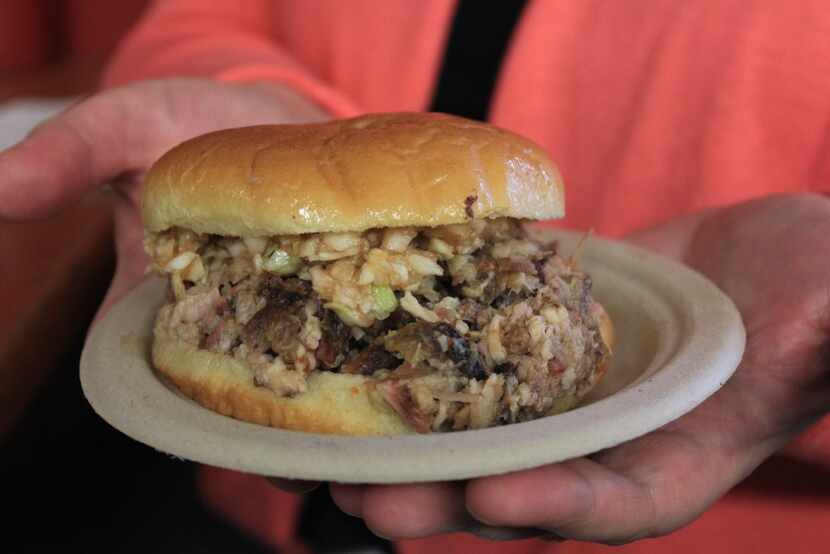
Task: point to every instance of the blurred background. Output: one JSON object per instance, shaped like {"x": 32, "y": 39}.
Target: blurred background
{"x": 57, "y": 47}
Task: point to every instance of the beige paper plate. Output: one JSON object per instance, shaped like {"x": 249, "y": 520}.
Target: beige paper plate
{"x": 678, "y": 340}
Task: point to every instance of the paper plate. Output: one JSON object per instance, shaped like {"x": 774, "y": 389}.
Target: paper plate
{"x": 679, "y": 339}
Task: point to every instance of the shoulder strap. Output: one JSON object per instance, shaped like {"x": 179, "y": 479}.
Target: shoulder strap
{"x": 477, "y": 43}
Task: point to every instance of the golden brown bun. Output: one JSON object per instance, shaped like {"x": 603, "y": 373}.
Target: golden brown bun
{"x": 350, "y": 175}
{"x": 334, "y": 403}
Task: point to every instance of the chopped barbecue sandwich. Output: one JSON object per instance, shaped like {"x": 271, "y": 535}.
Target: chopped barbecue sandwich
{"x": 369, "y": 276}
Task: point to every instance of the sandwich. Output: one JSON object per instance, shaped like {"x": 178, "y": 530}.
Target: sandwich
{"x": 369, "y": 276}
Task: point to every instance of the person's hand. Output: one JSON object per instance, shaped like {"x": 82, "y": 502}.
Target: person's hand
{"x": 771, "y": 257}
{"x": 113, "y": 138}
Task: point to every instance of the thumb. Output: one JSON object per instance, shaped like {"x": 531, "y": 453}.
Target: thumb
{"x": 123, "y": 130}
{"x": 77, "y": 150}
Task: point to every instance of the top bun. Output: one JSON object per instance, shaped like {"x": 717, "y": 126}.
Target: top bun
{"x": 386, "y": 170}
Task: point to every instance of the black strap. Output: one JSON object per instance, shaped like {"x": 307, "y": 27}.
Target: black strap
{"x": 476, "y": 46}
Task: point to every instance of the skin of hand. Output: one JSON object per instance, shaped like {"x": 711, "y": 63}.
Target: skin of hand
{"x": 112, "y": 138}
{"x": 771, "y": 257}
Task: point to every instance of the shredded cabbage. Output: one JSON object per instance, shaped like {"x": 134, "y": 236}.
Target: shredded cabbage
{"x": 385, "y": 301}
{"x": 280, "y": 262}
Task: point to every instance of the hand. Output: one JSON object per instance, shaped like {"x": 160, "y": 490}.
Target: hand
{"x": 114, "y": 137}
{"x": 770, "y": 256}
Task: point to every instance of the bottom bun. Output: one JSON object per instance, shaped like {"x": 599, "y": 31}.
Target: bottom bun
{"x": 334, "y": 403}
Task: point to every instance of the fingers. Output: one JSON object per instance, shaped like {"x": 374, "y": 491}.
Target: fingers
{"x": 63, "y": 158}
{"x": 420, "y": 510}
{"x": 124, "y": 130}
{"x": 415, "y": 511}
{"x": 349, "y": 498}
{"x": 577, "y": 499}
{"x": 405, "y": 511}
{"x": 648, "y": 487}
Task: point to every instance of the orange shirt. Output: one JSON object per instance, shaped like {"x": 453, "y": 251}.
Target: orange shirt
{"x": 651, "y": 108}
